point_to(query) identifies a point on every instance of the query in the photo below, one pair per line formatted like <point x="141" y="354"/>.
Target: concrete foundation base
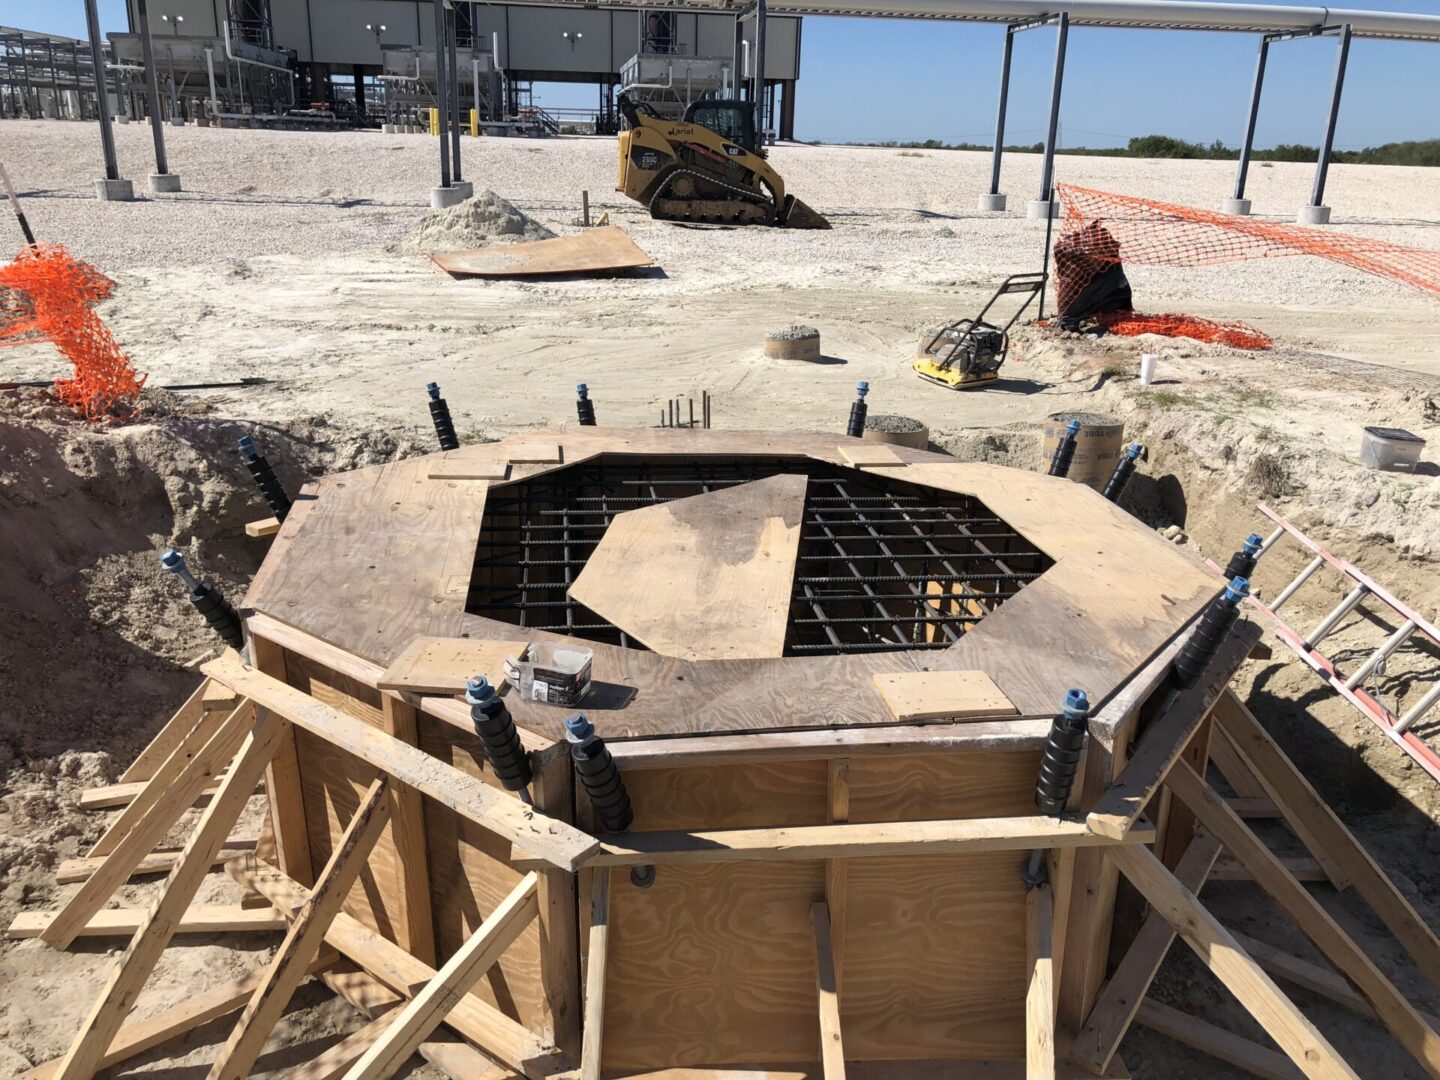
<point x="122" y="119"/>
<point x="992" y="203"/>
<point x="114" y="190"/>
<point x="202" y="121"/>
<point x="177" y="121"/>
<point x="442" y="197"/>
<point x="465" y="187"/>
<point x="1314" y="215"/>
<point x="1042" y="208"/>
<point x="387" y="129"/>
<point x="160" y="183"/>
<point x="1238" y="207"/>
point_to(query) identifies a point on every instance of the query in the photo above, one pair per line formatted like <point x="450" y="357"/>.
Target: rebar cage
<point x="882" y="565"/>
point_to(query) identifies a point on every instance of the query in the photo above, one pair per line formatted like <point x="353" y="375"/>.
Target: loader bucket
<point x="799" y="216"/>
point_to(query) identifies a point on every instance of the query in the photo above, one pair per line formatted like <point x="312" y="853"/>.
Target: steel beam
<point x="152" y="88"/>
<point x="1242" y="172"/>
<point x="1000" y="110"/>
<point x="452" y="77"/>
<point x="97" y="55"/>
<point x="441" y="103"/>
<point x="1047" y="175"/>
<point x="1322" y="166"/>
<point x="759" y="91"/>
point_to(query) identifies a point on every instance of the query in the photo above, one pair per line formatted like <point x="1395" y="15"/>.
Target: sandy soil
<point x="278" y="263"/>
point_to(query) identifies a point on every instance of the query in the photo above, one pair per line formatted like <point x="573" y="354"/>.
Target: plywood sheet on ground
<point x="595" y="251"/>
<point x="717" y="571"/>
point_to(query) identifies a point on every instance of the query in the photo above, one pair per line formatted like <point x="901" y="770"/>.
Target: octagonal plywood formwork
<point x="826" y="672"/>
<point x="770" y="614"/>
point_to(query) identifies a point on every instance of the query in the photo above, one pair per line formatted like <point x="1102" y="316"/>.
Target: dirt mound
<point x="478" y="222"/>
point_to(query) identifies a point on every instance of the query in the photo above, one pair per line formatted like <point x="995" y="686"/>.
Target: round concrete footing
<point x="1314" y="215"/>
<point x="177" y="121"/>
<point x="122" y="119"/>
<point x="1042" y="208"/>
<point x="202" y="121"/>
<point x="160" y="183"/>
<point x="387" y="129"/>
<point x="442" y="197"/>
<point x="992" y="203"/>
<point x="1238" y="207"/>
<point x="114" y="190"/>
<point x="465" y="187"/>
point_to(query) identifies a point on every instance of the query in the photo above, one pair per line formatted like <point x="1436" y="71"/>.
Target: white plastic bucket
<point x="1147" y="368"/>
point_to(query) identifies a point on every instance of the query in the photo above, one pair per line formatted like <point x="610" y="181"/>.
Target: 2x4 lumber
<point x="305" y="936"/>
<point x="258" y="530"/>
<point x="173" y="800"/>
<point x="288" y="825"/>
<point x="1227" y="759"/>
<point x="1287" y="786"/>
<point x="416" y="930"/>
<point x="552" y="789"/>
<point x="1394" y="1009"/>
<point x="832" y="1046"/>
<point x="849" y="841"/>
<point x="1217" y="1042"/>
<point x="549" y="839"/>
<point x="167" y="738"/>
<point x="73" y="871"/>
<point x="130" y="974"/>
<point x="139" y="1036"/>
<point x="427" y="1009"/>
<point x="1219" y="951"/>
<point x="596" y="961"/>
<point x="217" y="698"/>
<point x="497" y="1034"/>
<point x="191" y="743"/>
<point x="1300" y="868"/>
<point x="335" y="1060"/>
<point x="1040" y="991"/>
<point x="1097" y="1041"/>
<point x="123" y="922"/>
<point x="111" y="796"/>
<point x="1253" y="808"/>
<point x="1160" y="746"/>
<point x="837" y="873"/>
<point x="911" y="696"/>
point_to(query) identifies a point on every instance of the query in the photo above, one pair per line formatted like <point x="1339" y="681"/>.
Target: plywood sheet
<point x="431" y="665"/>
<point x="871" y="456"/>
<point x="457" y="465"/>
<point x="933" y="695"/>
<point x="718" y="570"/>
<point x="595" y="251"/>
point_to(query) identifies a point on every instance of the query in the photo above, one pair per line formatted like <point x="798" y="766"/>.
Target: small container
<point x="1392" y="449"/>
<point x="1147" y="368"/>
<point x="551" y="673"/>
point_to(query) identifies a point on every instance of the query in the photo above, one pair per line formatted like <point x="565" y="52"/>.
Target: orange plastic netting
<point x="46" y="294"/>
<point x="1100" y="231"/>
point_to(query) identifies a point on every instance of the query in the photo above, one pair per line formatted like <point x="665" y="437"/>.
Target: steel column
<point x="759" y="91"/>
<point x="1000" y="111"/>
<point x="1047" y="176"/>
<point x="97" y="56"/>
<point x="452" y="77"/>
<point x="1322" y="166"/>
<point x="442" y="105"/>
<point x="1243" y="171"/>
<point x="152" y="89"/>
<point x="739" y="73"/>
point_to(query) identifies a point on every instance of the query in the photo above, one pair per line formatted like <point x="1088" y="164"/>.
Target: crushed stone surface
<point x="891" y="423"/>
<point x="794" y="332"/>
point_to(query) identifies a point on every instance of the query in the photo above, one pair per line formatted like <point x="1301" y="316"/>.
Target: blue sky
<point x="870" y="80"/>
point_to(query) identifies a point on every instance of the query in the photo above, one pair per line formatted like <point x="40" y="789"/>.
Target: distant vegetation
<point x="1422" y="152"/>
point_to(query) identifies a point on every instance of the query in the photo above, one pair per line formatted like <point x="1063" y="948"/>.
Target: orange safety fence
<point x="48" y="295"/>
<point x="1100" y="230"/>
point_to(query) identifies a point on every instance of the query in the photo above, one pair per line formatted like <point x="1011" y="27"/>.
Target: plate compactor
<point x="968" y="353"/>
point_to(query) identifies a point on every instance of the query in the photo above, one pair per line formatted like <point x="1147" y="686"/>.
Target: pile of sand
<point x="475" y="223"/>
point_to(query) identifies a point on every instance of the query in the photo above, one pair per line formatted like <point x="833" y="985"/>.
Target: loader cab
<point x="733" y="120"/>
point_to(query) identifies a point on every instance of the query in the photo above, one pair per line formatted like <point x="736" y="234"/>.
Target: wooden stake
<point x="1394" y="1009"/>
<point x="596" y="957"/>
<point x="305" y="936"/>
<point x="832" y="1047"/>
<point x="451" y="983"/>
<point x="1215" y="947"/>
<point x="135" y="966"/>
<point x="1040" y="994"/>
<point x="173" y="798"/>
<point x="1289" y="789"/>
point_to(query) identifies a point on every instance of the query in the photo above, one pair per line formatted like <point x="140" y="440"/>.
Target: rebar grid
<point x="882" y="564"/>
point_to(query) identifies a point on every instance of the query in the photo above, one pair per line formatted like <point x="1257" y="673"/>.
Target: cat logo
<point x="733" y="151"/>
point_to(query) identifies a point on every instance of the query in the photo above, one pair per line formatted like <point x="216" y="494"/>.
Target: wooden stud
<point x="1227" y="759"/>
<point x="482" y="1023"/>
<point x="596" y="957"/>
<point x="463" y="465"/>
<point x="1040" y="993"/>
<point x="282" y="780"/>
<point x="871" y="456"/>
<point x="166" y="739"/>
<point x="1394" y="1009"/>
<point x="337" y="1059"/>
<point x="1289" y="789"/>
<point x="553" y="791"/>
<point x="73" y="871"/>
<point x="434" y="665"/>
<point x="416" y="931"/>
<point x="1178" y="828"/>
<point x="935" y="695"/>
<point x="141" y="1035"/>
<point x="533" y="453"/>
<point x="130" y="974"/>
<point x="172" y="799"/>
<point x="1094" y="1046"/>
<point x="832" y="1047"/>
<point x="549" y="839"/>
<point x="1219" y="951"/>
<point x="1252" y="809"/>
<point x="265" y="527"/>
<point x="837" y="874"/>
<point x="451" y="983"/>
<point x="849" y="841"/>
<point x="111" y="796"/>
<point x="1218" y="1043"/>
<point x="217" y="698"/>
<point x="123" y="922"/>
<point x="306" y="934"/>
<point x="1301" y="869"/>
